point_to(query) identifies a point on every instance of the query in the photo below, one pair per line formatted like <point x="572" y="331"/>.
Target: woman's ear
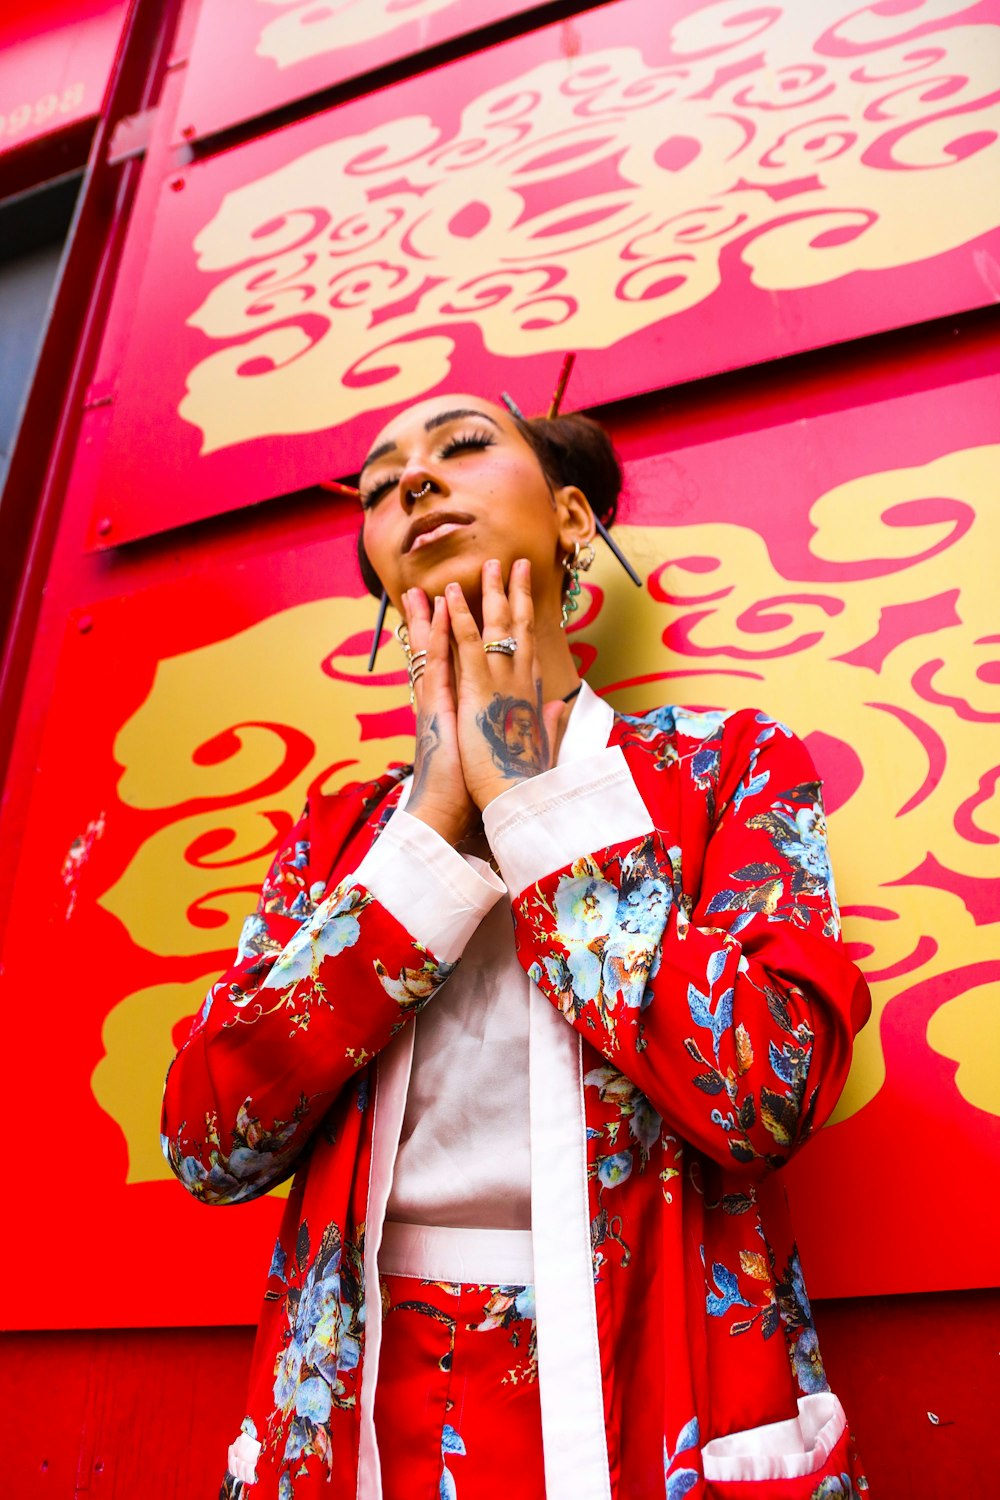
<point x="576" y="519"/>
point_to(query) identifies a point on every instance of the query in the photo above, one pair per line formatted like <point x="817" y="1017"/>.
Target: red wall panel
<point x="118" y="1415"/>
<point x="134" y="1410"/>
<point x="55" y="57"/>
<point x="829" y="568"/>
<point x="281" y="50"/>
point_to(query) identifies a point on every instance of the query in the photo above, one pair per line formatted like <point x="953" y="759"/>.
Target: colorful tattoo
<point x="514" y="730"/>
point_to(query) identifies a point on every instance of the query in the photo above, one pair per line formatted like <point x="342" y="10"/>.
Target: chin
<point x="465" y="569"/>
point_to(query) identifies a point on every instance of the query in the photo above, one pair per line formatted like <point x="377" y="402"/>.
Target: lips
<point x="437" y="523"/>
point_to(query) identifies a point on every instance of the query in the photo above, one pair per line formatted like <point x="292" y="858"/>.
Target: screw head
<point x="103" y="526"/>
<point x="85" y="624"/>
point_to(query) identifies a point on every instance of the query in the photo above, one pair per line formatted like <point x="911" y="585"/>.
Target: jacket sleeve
<point x="320" y="985"/>
<point x="697" y="941"/>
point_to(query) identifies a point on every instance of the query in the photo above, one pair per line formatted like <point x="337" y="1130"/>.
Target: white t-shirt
<point x="463" y="1157"/>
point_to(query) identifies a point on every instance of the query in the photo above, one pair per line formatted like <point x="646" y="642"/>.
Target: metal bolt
<point x="189" y="132"/>
<point x="103" y="526"/>
<point x="85" y="623"/>
<point x="177" y="183"/>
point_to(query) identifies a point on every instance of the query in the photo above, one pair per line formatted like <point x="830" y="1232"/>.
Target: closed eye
<point x="467" y="440"/>
<point x="462" y="442"/>
<point x="374" y="495"/>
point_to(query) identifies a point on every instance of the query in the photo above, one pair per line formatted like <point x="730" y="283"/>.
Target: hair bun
<point x="574" y="449"/>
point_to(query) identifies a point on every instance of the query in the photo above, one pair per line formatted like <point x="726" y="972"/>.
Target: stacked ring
<point x="507" y="646"/>
<point x="417" y="665"/>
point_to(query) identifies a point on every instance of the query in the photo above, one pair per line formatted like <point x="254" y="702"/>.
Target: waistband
<point x="487" y="1257"/>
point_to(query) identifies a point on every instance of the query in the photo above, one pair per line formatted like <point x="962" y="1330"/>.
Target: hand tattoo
<point x="428" y="741"/>
<point x="514" y="730"/>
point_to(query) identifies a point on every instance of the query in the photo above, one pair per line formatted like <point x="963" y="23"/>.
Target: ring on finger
<point x="506" y="647"/>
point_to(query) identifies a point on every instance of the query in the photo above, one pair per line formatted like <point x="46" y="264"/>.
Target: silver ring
<point x="415" y="675"/>
<point x="418" y="658"/>
<point x="507" y="646"/>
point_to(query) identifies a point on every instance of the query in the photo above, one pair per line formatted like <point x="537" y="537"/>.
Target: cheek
<point x="375" y="543"/>
<point x="529" y="511"/>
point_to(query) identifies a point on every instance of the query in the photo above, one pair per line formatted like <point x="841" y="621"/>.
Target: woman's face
<point x="449" y="484"/>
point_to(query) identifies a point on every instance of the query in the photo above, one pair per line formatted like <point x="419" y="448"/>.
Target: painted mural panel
<point x="281" y="50"/>
<point x="836" y="572"/>
<point x="55" y="58"/>
<point x="684" y="190"/>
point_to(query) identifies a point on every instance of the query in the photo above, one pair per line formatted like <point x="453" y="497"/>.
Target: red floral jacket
<point x="699" y="1010"/>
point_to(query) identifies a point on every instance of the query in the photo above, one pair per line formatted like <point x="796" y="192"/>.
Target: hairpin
<point x="605" y="536"/>
<point x="383" y="605"/>
<point x="336" y="488"/>
<point x="564" y="373"/>
<point x="569" y="361"/>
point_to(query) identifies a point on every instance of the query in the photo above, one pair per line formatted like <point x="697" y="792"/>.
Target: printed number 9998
<point x="44" y="109"/>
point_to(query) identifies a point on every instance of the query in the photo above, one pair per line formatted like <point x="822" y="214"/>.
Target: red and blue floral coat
<point x="693" y="1019"/>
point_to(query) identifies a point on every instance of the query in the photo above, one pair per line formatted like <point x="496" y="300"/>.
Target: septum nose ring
<point x="423" y="490"/>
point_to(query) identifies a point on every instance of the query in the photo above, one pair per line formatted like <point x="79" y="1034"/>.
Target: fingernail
<point x="438" y="602"/>
<point x="452" y="588"/>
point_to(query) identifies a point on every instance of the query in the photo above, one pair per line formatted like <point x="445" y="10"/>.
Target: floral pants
<point x="456" y="1406"/>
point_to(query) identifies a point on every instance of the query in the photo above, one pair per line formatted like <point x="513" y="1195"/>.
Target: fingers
<point x="417" y="616"/>
<point x="522" y="608"/>
<point x="438" y="669"/>
<point x="463" y="626"/>
<point x="496" y="608"/>
<point x="472" y="674"/>
<point x="506" y="612"/>
<point x="429" y="649"/>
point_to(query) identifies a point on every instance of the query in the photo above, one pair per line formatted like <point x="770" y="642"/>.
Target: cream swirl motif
<point x="583" y="201"/>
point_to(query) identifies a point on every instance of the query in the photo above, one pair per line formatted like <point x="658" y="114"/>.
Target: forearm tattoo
<point x="515" y="732"/>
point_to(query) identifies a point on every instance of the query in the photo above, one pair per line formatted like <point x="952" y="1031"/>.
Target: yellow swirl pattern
<point x="300" y="31"/>
<point x="800" y="649"/>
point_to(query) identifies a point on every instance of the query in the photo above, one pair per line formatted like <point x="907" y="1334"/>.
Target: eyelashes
<point x="373" y="496"/>
<point x="467" y="440"/>
<point x="463" y="442"/>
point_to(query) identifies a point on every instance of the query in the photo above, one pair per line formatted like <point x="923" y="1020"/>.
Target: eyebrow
<point x="441" y="420"/>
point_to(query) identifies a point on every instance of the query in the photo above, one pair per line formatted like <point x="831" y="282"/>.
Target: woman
<point x="561" y="1171"/>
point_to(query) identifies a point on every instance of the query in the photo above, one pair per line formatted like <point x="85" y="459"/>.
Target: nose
<point x="417" y="482"/>
<point x="418" y="494"/>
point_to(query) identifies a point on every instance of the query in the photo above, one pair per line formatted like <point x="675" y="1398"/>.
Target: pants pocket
<point x="807" y="1457"/>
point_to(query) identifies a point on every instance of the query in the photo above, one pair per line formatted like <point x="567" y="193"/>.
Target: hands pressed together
<point x="482" y="724"/>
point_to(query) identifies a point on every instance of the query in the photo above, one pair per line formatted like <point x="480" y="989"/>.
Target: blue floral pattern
<point x="325" y="1313"/>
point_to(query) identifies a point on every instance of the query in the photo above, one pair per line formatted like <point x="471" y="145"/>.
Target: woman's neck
<point x="559" y="670"/>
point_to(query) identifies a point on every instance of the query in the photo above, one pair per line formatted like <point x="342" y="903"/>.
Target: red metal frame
<point x="29" y="517"/>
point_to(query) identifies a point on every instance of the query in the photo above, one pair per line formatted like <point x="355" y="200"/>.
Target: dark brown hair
<point x="572" y="450"/>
